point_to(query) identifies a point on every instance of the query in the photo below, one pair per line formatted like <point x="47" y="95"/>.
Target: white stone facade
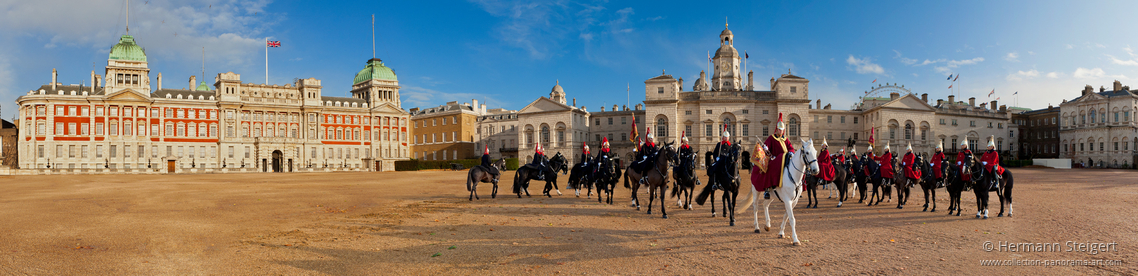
<point x="1099" y="129"/>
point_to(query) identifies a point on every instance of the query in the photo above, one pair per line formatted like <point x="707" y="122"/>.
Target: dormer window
<point x="793" y="89"/>
<point x="659" y="90"/>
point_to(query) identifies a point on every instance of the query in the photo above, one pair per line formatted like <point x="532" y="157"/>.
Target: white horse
<point x="802" y="162"/>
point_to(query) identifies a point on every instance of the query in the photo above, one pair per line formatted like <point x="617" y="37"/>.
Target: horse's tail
<point x="706" y="192"/>
<point x="469" y="178"/>
<point x="519" y="175"/>
<point x="626" y="181"/>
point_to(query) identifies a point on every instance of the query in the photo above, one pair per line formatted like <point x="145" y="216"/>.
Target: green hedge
<point x="512" y="164"/>
<point x="415" y="164"/>
<point x="1017" y="163"/>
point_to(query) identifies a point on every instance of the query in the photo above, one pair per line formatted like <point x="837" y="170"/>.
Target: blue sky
<point x="508" y="53"/>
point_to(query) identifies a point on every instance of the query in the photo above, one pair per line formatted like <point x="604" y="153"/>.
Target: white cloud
<point x="1130" y="62"/>
<point x="864" y="66"/>
<point x="927" y="62"/>
<point x="1031" y="53"/>
<point x="231" y="30"/>
<point x="1013" y="57"/>
<point x="958" y="63"/>
<point x="1054" y="75"/>
<point x="1069" y="46"/>
<point x="905" y="60"/>
<point x="1021" y="75"/>
<point x="1100" y="45"/>
<point x="1129" y="51"/>
<point x="1096" y="73"/>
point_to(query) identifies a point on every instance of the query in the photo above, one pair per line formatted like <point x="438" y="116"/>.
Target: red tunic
<point x="993" y="158"/>
<point x="825" y="168"/>
<point x="866" y="166"/>
<point x="842" y="158"/>
<point x="886" y="161"/>
<point x="907" y="164"/>
<point x="960" y="156"/>
<point x="937" y="159"/>
<point x="773" y="177"/>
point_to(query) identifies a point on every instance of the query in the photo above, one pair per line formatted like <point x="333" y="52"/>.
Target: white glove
<point x="957" y="162"/>
<point x="717" y="159"/>
<point x="985" y="163"/>
<point x="902" y="163"/>
<point x="932" y="164"/>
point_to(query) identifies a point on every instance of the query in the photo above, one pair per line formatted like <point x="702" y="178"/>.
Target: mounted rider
<point x="585" y="158"/>
<point x="647" y="155"/>
<point x="909" y="163"/>
<point x="825" y="165"/>
<point x="991" y="161"/>
<point x="719" y="153"/>
<point x="938" y="158"/>
<point x="963" y="160"/>
<point x="486" y="164"/>
<point x="886" y="161"/>
<point x="778" y="149"/>
<point x="604" y="154"/>
<point x="538" y="162"/>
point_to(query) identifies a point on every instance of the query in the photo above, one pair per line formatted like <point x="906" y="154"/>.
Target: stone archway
<point x="278" y="161"/>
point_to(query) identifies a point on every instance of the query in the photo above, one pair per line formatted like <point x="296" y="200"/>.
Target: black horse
<point x="929" y="183"/>
<point x="724" y="176"/>
<point x="607" y="175"/>
<point x="655" y="177"/>
<point x="1001" y="184"/>
<point x="686" y="180"/>
<point x="583" y="176"/>
<point x="858" y="168"/>
<point x="957" y="183"/>
<point x="527" y="173"/>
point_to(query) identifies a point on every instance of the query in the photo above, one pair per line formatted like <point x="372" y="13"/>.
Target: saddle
<point x="491" y="170"/>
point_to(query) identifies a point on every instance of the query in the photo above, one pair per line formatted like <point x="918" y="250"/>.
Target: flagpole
<point x="266" y="60"/>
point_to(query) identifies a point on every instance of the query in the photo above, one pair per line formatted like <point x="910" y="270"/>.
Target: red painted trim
<point x="72" y="138"/>
<point x="192" y="140"/>
<point x="341" y="143"/>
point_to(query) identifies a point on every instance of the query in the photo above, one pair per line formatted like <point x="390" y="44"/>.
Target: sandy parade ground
<point x="418" y="223"/>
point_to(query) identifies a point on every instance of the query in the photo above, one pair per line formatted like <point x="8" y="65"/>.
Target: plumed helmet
<point x="909" y="147"/>
<point x="853" y="151"/>
<point x="886" y="146"/>
<point x="824" y="144"/>
<point x="940" y="145"/>
<point x="964" y="143"/>
<point x="992" y="141"/>
<point x="487" y="151"/>
<point x="780" y="125"/>
<point x="585" y="146"/>
<point x="605" y="142"/>
<point x="684" y="137"/>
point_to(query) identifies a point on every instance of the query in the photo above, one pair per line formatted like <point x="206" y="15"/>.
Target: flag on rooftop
<point x="273" y="43"/>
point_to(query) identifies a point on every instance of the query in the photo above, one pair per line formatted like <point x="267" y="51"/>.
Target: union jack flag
<point x="273" y="44"/>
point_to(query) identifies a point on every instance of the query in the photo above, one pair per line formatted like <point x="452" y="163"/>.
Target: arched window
<point x="908" y="131"/>
<point x="793" y="127"/>
<point x="661" y="127"/>
<point x="1092" y="116"/>
<point x="545" y="135"/>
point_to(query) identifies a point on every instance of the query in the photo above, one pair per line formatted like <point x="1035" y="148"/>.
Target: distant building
<point x="126" y="126"/>
<point x="498" y="129"/>
<point x="616" y="125"/>
<point x="1039" y="133"/>
<point x="1099" y="128"/>
<point x="558" y="126"/>
<point x="9" y="145"/>
<point x="446" y="132"/>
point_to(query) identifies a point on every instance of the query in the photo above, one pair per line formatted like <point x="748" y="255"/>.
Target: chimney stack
<point x="159" y="79"/>
<point x="1117" y="85"/>
<point x="1003" y="108"/>
<point x="193" y="82"/>
<point x="894" y="96"/>
<point x="1088" y="89"/>
<point x="925" y="97"/>
<point x="818" y="104"/>
<point x="92" y="81"/>
<point x="574" y="102"/>
<point x="983" y="105"/>
<point x="972" y="101"/>
<point x="939" y="102"/>
<point x="602" y="108"/>
<point x="1101" y="88"/>
<point x="483" y="108"/>
<point x="993" y="105"/>
<point x="54" y="79"/>
<point x="98" y="82"/>
<point x="614" y="108"/>
<point x="951" y="99"/>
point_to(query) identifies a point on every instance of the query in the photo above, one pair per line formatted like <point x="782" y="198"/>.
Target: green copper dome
<point x="128" y="50"/>
<point x="375" y="71"/>
<point x="202" y="87"/>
